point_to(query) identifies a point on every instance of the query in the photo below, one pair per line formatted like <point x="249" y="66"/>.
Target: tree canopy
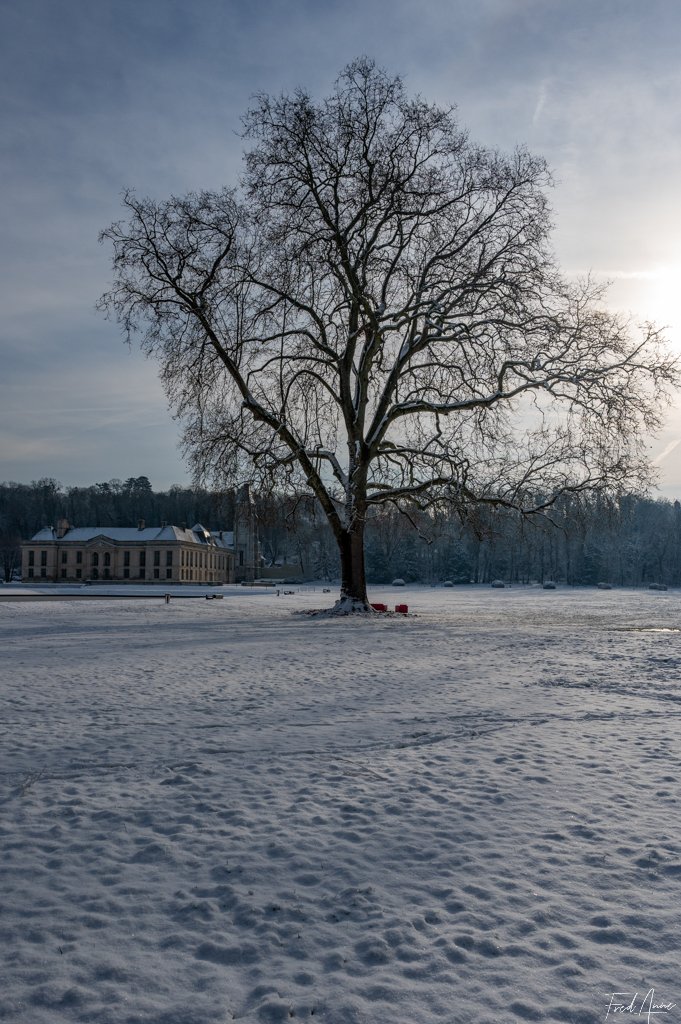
<point x="375" y="314"/>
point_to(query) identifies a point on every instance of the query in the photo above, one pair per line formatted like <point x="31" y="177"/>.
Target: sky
<point x="97" y="97"/>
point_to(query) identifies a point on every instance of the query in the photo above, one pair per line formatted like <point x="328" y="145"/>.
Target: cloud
<point x="666" y="451"/>
<point x="98" y="96"/>
<point x="541" y="102"/>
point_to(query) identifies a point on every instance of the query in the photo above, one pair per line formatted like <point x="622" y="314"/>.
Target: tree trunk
<point x="353" y="595"/>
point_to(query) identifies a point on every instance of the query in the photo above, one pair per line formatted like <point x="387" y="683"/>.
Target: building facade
<point x="169" y="554"/>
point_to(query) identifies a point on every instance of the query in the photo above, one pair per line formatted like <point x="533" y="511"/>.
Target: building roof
<point x="131" y="535"/>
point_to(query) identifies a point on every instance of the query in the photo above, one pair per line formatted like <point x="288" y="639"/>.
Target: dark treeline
<point x="628" y="541"/>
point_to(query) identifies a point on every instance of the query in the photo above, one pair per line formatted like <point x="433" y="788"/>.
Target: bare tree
<point x="376" y="314"/>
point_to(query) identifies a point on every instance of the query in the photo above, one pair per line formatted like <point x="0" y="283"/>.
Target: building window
<point x="79" y="572"/>
<point x="95" y="574"/>
<point x="156" y="573"/>
<point x="143" y="559"/>
<point x="107" y="558"/>
<point x="157" y="557"/>
<point x="241" y="558"/>
<point x="43" y="571"/>
<point x="142" y="574"/>
<point x="126" y="558"/>
<point x="63" y="574"/>
<point x="64" y="557"/>
<point x="169" y="574"/>
<point x="95" y="559"/>
<point x="31" y="558"/>
<point x="43" y="557"/>
<point x="169" y="558"/>
<point x="30" y="571"/>
<point x="107" y="573"/>
<point x="126" y="574"/>
<point x="79" y="557"/>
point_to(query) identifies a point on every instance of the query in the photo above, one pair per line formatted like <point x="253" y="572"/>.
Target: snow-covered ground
<point x="220" y="810"/>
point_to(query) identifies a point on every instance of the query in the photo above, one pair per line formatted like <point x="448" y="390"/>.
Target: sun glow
<point x="665" y="301"/>
<point x="653" y="295"/>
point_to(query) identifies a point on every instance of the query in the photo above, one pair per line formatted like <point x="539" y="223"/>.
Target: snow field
<point x="217" y="811"/>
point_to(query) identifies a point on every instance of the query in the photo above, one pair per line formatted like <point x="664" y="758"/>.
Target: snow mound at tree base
<point x="342" y="607"/>
<point x="346" y="606"/>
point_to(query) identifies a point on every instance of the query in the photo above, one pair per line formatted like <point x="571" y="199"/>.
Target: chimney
<point x="140" y="524"/>
<point x="62" y="528"/>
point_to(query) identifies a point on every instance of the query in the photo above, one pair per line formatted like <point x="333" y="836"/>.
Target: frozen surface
<point x="219" y="810"/>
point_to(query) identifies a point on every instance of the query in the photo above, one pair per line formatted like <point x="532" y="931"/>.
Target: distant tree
<point x="10" y="555"/>
<point x="393" y="547"/>
<point x="377" y="316"/>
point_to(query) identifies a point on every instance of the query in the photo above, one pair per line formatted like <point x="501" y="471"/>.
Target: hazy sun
<point x="653" y="294"/>
<point x="665" y="301"/>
